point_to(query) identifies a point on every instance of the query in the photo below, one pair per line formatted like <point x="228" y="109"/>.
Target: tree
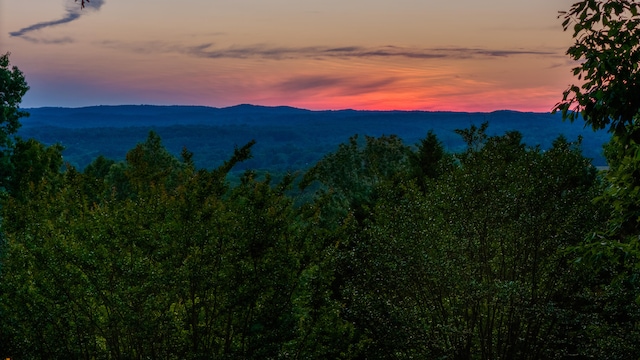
<point x="607" y="47"/>
<point x="33" y="162"/>
<point x="429" y="160"/>
<point x="607" y="44"/>
<point x="353" y="171"/>
<point x="13" y="86"/>
<point x="473" y="267"/>
<point x="182" y="266"/>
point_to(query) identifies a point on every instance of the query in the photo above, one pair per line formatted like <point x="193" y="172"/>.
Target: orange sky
<point x="464" y="55"/>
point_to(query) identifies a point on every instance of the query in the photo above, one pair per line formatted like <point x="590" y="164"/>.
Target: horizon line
<point x="289" y="107"/>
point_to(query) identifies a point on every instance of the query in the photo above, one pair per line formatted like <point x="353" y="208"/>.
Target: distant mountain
<point x="150" y="115"/>
<point x="112" y="130"/>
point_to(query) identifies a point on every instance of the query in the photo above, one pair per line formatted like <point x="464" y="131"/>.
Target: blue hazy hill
<point x="287" y="138"/>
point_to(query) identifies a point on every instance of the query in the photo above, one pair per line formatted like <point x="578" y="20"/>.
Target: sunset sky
<point x="459" y="55"/>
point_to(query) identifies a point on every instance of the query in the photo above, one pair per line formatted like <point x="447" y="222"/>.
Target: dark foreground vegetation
<point x="379" y="250"/>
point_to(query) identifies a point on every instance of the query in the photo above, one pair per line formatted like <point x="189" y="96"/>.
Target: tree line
<point x="381" y="250"/>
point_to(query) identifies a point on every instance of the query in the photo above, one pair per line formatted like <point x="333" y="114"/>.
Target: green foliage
<point x="352" y="173"/>
<point x="13" y="86"/>
<point x="425" y="160"/>
<point x="474" y="136"/>
<point x="400" y="253"/>
<point x="180" y="267"/>
<point x="149" y="163"/>
<point x="474" y="267"/>
<point x="607" y="45"/>
<point x="623" y="193"/>
<point x="33" y="163"/>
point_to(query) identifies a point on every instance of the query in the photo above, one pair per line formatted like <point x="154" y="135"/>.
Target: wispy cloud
<point x="271" y="52"/>
<point x="311" y="82"/>
<point x="73" y="12"/>
<point x="278" y="53"/>
<point x="346" y="85"/>
<point x="146" y="47"/>
<point x="64" y="40"/>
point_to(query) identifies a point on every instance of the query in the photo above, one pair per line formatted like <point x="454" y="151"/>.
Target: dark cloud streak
<point x="347" y="86"/>
<point x="73" y="13"/>
<point x="263" y="51"/>
<point x="280" y="53"/>
<point x="64" y="40"/>
<point x="305" y="83"/>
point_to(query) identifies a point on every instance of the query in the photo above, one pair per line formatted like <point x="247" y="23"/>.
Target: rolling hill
<point x="287" y="138"/>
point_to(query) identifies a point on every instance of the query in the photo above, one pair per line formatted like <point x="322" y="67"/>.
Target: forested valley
<point x="287" y="139"/>
<point x="379" y="250"/>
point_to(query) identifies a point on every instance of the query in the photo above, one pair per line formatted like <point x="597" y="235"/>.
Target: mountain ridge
<point x="164" y="115"/>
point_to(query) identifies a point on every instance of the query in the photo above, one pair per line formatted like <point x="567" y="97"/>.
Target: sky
<point x="438" y="55"/>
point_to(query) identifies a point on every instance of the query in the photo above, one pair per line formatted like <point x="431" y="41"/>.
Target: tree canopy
<point x="607" y="47"/>
<point x="387" y="251"/>
<point x="13" y="87"/>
